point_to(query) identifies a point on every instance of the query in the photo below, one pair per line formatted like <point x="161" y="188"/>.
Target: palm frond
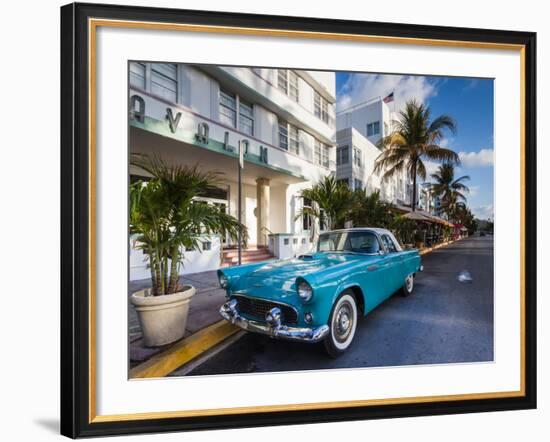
<point x="166" y="218"/>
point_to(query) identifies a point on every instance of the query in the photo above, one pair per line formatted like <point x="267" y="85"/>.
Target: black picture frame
<point x="75" y="218"/>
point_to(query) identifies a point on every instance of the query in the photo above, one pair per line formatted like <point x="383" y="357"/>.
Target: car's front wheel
<point x="408" y="285"/>
<point x="342" y="323"/>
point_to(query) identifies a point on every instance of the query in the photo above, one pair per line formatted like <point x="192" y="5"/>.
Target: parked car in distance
<point x="320" y="296"/>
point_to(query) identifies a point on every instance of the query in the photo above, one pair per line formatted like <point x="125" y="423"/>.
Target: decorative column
<point x="262" y="210"/>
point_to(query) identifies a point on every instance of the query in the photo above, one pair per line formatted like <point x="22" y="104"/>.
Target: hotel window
<point x="137" y="74"/>
<point x="282" y="80"/>
<point x="320" y="106"/>
<point x="289" y="137"/>
<point x="228" y="108"/>
<point x="321" y="153"/>
<point x="342" y="155"/>
<point x="358" y="184"/>
<point x="293" y="139"/>
<point x="246" y="118"/>
<point x="324" y="154"/>
<point x="287" y="82"/>
<point x="283" y="134"/>
<point x="164" y="82"/>
<point x="373" y="128"/>
<point x="306" y="217"/>
<point x="293" y="90"/>
<point x="317" y="156"/>
<point x="357" y="157"/>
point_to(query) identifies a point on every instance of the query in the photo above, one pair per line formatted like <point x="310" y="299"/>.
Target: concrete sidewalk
<point x="203" y="311"/>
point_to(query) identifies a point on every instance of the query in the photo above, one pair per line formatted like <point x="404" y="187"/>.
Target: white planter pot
<point x="162" y="318"/>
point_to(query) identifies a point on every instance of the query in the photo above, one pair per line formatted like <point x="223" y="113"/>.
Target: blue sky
<point x="469" y="101"/>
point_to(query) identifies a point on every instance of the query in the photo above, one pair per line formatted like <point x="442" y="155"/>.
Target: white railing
<point x="288" y="245"/>
<point x="209" y="258"/>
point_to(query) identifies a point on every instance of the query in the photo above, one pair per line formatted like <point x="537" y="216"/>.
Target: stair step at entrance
<point x="249" y="258"/>
<point x="254" y="254"/>
<point x="233" y="253"/>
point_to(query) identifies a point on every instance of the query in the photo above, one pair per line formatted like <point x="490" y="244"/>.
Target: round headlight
<point x="305" y="291"/>
<point x="223" y="281"/>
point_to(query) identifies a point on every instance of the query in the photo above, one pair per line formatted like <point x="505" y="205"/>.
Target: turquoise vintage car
<point x="319" y="296"/>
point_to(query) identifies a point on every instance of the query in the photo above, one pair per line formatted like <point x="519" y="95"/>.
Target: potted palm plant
<point x="165" y="222"/>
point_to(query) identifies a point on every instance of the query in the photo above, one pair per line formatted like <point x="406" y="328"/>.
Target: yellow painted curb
<point x="431" y="249"/>
<point x="184" y="351"/>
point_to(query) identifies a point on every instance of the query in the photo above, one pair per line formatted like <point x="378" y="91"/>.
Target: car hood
<point x="276" y="279"/>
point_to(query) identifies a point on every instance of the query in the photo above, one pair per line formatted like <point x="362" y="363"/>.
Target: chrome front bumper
<point x="272" y="327"/>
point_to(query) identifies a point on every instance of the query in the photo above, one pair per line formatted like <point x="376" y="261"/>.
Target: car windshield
<point x="358" y="242"/>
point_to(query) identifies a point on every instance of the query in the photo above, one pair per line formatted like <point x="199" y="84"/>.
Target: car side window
<point x="388" y="243"/>
<point x="362" y="242"/>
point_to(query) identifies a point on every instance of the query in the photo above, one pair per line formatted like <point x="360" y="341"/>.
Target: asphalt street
<point x="447" y="319"/>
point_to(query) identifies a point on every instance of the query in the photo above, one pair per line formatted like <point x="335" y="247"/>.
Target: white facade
<point x="428" y="201"/>
<point x="359" y="129"/>
<point x="198" y="115"/>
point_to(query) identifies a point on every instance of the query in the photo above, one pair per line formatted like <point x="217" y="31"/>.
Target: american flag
<point x="388" y="98"/>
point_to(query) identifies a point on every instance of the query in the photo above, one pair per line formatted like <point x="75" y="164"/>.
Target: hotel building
<point x="359" y="129"/>
<point x="428" y="201"/>
<point x="199" y="115"/>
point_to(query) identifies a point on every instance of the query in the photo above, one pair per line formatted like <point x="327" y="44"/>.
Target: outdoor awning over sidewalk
<point x="421" y="215"/>
<point x="417" y="216"/>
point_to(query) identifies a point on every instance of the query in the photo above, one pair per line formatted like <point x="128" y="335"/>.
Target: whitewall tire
<point x="408" y="285"/>
<point x="342" y="323"/>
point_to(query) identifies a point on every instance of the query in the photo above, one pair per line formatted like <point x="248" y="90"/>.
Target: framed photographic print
<point x="279" y="220"/>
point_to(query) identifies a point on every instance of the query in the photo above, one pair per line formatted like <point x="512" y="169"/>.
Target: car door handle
<point x="372" y="268"/>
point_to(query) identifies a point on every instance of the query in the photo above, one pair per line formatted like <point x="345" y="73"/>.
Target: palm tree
<point x="414" y="137"/>
<point x="454" y="208"/>
<point x="332" y="201"/>
<point x="369" y="210"/>
<point x="449" y="188"/>
<point x="461" y="214"/>
<point x="166" y="218"/>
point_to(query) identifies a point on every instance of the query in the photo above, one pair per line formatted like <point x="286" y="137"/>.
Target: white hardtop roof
<point x="358" y="229"/>
<point x="377" y="230"/>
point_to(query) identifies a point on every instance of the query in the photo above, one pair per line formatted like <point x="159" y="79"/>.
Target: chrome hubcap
<point x="343" y="322"/>
<point x="409" y="283"/>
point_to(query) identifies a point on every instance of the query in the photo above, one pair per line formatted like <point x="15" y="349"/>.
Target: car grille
<point x="257" y="308"/>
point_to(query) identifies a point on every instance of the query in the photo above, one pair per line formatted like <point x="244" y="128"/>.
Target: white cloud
<point x="483" y="158"/>
<point x="431" y="167"/>
<point x="474" y="190"/>
<point x="472" y="83"/>
<point x="447" y="142"/>
<point x="363" y="87"/>
<point x="484" y="212"/>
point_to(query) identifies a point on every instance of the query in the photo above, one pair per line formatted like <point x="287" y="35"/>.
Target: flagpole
<point x="239" y="210"/>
